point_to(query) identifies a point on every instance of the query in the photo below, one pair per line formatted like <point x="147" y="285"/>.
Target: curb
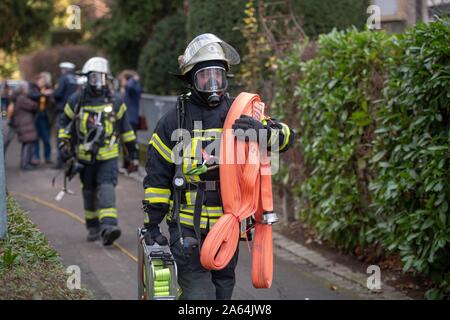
<point x="335" y="274"/>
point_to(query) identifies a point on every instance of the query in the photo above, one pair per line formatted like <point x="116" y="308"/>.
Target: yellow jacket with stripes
<point x="160" y="166"/>
<point x="111" y="111"/>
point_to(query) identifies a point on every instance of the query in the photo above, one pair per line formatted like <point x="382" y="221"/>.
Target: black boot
<point x="93" y="234"/>
<point x="93" y="227"/>
<point x="109" y="234"/>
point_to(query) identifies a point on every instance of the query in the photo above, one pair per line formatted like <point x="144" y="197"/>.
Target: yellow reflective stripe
<point x="206" y="211"/>
<point x="208" y="130"/>
<point x="274" y="136"/>
<point x="158" y="190"/>
<point x="154" y="199"/>
<point x="128" y="136"/>
<point x="83" y="125"/>
<point x="99" y="108"/>
<point x="162" y="149"/>
<point x="107" y="213"/>
<point x="189" y="164"/>
<point x="157" y="195"/>
<point x="82" y="155"/>
<point x="63" y="135"/>
<point x="122" y="110"/>
<point x="189" y="220"/>
<point x="108" y="127"/>
<point x="190" y="197"/>
<point x="69" y="112"/>
<point x="90" y="214"/>
<point x="287" y="133"/>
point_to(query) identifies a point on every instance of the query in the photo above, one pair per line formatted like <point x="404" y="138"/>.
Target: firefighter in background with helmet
<point x="93" y="123"/>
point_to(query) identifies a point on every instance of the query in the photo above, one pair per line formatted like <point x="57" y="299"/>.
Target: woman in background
<point x="24" y="121"/>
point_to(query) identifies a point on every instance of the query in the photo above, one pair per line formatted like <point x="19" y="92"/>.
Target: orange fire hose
<point x="245" y="192"/>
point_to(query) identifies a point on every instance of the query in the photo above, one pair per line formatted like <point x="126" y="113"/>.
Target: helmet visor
<point x="97" y="79"/>
<point x="210" y="79"/>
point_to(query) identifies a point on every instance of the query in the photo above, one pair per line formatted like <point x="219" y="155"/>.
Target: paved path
<point x="111" y="273"/>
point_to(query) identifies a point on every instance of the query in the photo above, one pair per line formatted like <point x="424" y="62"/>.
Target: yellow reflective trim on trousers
<point x="107" y="213"/>
<point x="121" y="111"/>
<point x="287" y="133"/>
<point x="90" y="214"/>
<point x="128" y="136"/>
<point x="69" y="112"/>
<point x="162" y="149"/>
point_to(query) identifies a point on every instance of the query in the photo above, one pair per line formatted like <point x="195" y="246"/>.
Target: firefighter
<point x="204" y="68"/>
<point x="93" y="123"/>
<point x="66" y="86"/>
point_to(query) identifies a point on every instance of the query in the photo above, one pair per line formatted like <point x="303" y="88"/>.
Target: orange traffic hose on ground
<point x="245" y="192"/>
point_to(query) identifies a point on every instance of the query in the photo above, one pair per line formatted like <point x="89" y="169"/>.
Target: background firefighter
<point x="204" y="68"/>
<point x="92" y="124"/>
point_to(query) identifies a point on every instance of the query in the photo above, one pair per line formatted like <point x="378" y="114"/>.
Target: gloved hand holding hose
<point x="245" y="123"/>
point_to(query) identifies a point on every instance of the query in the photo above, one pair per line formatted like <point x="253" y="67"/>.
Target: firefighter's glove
<point x="65" y="149"/>
<point x="249" y="129"/>
<point x="153" y="235"/>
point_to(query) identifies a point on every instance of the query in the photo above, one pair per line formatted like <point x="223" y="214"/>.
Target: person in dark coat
<point x="66" y="86"/>
<point x="25" y="123"/>
<point x="41" y="92"/>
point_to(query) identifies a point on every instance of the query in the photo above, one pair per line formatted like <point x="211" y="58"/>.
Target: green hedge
<point x="373" y="121"/>
<point x="160" y="55"/>
<point x="336" y="96"/>
<point x="412" y="183"/>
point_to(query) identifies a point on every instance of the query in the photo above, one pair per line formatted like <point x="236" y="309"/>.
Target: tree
<point x="125" y="30"/>
<point x="160" y="56"/>
<point x="23" y="21"/>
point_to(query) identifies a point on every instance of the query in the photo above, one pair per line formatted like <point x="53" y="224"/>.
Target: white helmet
<point x="66" y="65"/>
<point x="96" y="64"/>
<point x="207" y="47"/>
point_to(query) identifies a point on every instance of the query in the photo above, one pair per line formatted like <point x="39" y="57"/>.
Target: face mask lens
<point x="97" y="79"/>
<point x="211" y="79"/>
